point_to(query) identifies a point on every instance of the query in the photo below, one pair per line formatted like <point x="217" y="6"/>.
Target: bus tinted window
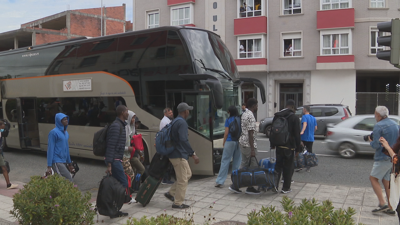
<point x="11" y="110"/>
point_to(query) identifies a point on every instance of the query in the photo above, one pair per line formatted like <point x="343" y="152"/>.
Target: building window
<point x="336" y="44"/>
<point x="291" y="7"/>
<point x="377" y="3"/>
<point x="153" y="19"/>
<point x="374" y="47"/>
<point x="250" y="48"/>
<point x="292" y="45"/>
<point x="182" y="15"/>
<point x="249" y="8"/>
<point x="335" y="4"/>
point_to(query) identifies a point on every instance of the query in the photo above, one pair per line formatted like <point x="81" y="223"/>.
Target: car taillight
<point x="346" y="114"/>
<point x="329" y="133"/>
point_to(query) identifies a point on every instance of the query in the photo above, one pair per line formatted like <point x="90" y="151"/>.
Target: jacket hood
<point x="284" y="112"/>
<point x="131" y="127"/>
<point x="59" y="117"/>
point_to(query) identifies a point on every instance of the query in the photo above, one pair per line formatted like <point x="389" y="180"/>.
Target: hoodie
<point x="57" y="145"/>
<point x="130" y="131"/>
<point x="294" y="129"/>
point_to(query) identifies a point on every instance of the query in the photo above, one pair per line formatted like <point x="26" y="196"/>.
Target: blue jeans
<point x="118" y="173"/>
<point x="231" y="149"/>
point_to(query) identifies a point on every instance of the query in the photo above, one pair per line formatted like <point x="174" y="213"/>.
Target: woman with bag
<point x="394" y="179"/>
<point x="130" y="130"/>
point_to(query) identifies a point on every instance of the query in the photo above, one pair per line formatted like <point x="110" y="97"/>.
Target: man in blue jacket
<point x="58" y="157"/>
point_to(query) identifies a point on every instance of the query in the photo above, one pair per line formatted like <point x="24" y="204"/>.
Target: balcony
<point x="337" y="18"/>
<point x="250" y="25"/>
<point x="176" y="2"/>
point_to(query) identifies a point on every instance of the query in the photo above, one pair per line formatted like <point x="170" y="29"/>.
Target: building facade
<point x="315" y="52"/>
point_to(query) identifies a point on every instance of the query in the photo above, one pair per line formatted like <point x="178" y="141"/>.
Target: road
<point x="332" y="169"/>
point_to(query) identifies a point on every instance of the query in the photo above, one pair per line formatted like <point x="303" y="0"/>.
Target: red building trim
<point x="189" y="25"/>
<point x="335" y="58"/>
<point x="250" y="25"/>
<point x="246" y="62"/>
<point x="176" y="2"/>
<point x="337" y="18"/>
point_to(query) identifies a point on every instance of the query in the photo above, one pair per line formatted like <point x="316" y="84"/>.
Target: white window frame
<point x="253" y="12"/>
<point x="375" y="29"/>
<point x="283" y="8"/>
<point x="331" y="3"/>
<point x="191" y="12"/>
<point x="376" y="2"/>
<point x="151" y="12"/>
<point x="333" y="32"/>
<point x="291" y="35"/>
<point x="251" y="37"/>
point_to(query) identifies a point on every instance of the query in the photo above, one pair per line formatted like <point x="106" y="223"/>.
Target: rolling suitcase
<point x="147" y="190"/>
<point x="269" y="165"/>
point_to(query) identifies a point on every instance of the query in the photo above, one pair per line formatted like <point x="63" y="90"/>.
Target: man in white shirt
<point x="168" y="117"/>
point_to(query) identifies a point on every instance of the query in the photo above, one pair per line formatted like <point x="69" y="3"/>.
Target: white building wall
<point x="334" y="87"/>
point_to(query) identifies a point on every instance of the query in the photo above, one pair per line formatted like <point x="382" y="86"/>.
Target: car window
<point x="316" y="112"/>
<point x="366" y="124"/>
<point x="299" y="112"/>
<point x="395" y="120"/>
<point x="330" y="111"/>
<point x="348" y="110"/>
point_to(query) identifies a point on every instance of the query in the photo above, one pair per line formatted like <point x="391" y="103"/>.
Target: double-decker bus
<point x="145" y="70"/>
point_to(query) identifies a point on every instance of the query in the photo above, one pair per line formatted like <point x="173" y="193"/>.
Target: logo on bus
<point x="68" y="85"/>
<point x="30" y="54"/>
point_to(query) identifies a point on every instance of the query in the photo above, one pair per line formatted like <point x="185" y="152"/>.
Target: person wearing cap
<point x="180" y="156"/>
<point x="285" y="154"/>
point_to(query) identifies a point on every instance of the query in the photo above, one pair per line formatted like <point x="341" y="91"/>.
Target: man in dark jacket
<point x="285" y="154"/>
<point x="116" y="137"/>
<point x="180" y="156"/>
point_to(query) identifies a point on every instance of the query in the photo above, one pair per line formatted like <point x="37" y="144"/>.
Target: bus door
<point x="28" y="123"/>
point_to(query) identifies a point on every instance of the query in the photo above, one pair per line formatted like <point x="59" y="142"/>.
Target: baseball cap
<point x="291" y="102"/>
<point x="184" y="106"/>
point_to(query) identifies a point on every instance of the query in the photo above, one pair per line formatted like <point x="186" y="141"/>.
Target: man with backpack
<point x="168" y="117"/>
<point x="285" y="137"/>
<point x="248" y="142"/>
<point x="180" y="156"/>
<point x="309" y="126"/>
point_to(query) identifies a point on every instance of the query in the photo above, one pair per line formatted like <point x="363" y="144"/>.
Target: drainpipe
<point x="268" y="59"/>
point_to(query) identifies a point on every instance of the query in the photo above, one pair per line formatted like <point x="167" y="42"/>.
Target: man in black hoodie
<point x="285" y="153"/>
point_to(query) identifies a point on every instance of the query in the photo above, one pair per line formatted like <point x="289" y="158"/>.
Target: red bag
<point x="136" y="143"/>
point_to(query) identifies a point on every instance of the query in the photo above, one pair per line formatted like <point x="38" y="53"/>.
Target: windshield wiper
<point x="220" y="72"/>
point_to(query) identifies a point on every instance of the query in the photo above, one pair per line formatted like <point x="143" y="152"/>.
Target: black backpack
<point x="100" y="140"/>
<point x="280" y="131"/>
<point x="111" y="196"/>
<point x="235" y="128"/>
<point x="6" y="129"/>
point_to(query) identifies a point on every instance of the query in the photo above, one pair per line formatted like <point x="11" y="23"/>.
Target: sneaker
<point x="286" y="191"/>
<point x="252" y="191"/>
<point x="308" y="170"/>
<point x="234" y="189"/>
<point x="183" y="206"/>
<point x="12" y="186"/>
<point x="390" y="212"/>
<point x="119" y="214"/>
<point x="282" y="181"/>
<point x="167" y="182"/>
<point x="298" y="170"/>
<point x="132" y="201"/>
<point x="218" y="185"/>
<point x="169" y="196"/>
<point x="380" y="208"/>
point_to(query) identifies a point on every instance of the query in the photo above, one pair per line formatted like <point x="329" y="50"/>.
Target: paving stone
<point x="224" y="215"/>
<point x="245" y="211"/>
<point x="240" y="218"/>
<point x="353" y="202"/>
<point x="368" y="221"/>
<point x="232" y="209"/>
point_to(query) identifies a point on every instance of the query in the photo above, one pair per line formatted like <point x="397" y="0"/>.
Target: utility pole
<point x="101" y="19"/>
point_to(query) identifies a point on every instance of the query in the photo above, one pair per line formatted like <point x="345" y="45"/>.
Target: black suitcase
<point x="147" y="190"/>
<point x="158" y="166"/>
<point x="111" y="196"/>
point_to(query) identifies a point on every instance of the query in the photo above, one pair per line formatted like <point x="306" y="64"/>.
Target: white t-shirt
<point x="165" y="120"/>
<point x="241" y="48"/>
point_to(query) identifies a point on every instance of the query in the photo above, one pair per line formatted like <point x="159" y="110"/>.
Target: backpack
<point x="111" y="196"/>
<point x="235" y="128"/>
<point x="100" y="140"/>
<point x="164" y="143"/>
<point x="6" y="129"/>
<point x="280" y="131"/>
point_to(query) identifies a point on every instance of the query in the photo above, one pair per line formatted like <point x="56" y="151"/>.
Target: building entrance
<point x="290" y="91"/>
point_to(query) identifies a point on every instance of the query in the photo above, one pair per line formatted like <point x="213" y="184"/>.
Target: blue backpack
<point x="164" y="143"/>
<point x="235" y="128"/>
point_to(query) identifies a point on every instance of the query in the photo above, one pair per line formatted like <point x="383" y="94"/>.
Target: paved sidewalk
<point x="209" y="202"/>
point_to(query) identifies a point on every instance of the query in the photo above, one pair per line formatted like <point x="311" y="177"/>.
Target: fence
<point x="366" y="102"/>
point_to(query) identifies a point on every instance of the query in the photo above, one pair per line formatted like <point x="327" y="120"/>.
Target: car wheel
<point x="267" y="131"/>
<point x="347" y="150"/>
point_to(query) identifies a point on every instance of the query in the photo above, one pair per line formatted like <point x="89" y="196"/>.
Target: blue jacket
<point x="180" y="136"/>
<point x="388" y="129"/>
<point x="57" y="145"/>
<point x="116" y="138"/>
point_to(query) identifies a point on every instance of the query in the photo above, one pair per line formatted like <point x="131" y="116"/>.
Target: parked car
<point x="347" y="137"/>
<point x="323" y="113"/>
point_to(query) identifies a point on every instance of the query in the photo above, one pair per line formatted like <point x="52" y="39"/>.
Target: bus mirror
<point x="257" y="83"/>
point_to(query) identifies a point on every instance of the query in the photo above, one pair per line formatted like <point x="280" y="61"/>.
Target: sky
<point x="13" y="13"/>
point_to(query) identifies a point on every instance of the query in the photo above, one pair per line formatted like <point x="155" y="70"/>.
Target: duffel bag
<point x="311" y="159"/>
<point x="299" y="161"/>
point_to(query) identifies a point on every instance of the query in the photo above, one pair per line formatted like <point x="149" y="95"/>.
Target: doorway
<point x="292" y="91"/>
<point x="28" y="123"/>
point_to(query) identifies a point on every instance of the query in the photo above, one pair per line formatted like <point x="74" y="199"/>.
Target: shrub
<point x="162" y="219"/>
<point x="52" y="200"/>
<point x="309" y="212"/>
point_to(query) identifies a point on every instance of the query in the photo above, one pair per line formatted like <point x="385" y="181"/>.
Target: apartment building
<point x="312" y="51"/>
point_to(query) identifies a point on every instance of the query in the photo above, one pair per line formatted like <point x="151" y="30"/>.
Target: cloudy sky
<point x="13" y="13"/>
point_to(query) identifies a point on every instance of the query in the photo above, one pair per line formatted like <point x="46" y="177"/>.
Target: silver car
<point x="347" y="137"/>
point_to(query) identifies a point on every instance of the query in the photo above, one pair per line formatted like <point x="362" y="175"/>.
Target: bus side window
<point x="11" y="110"/>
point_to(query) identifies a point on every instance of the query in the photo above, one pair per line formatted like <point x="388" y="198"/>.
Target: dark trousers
<point x="308" y="145"/>
<point x="285" y="166"/>
<point x="118" y="173"/>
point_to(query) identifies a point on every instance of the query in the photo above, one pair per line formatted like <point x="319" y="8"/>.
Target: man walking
<point x="309" y="126"/>
<point x="58" y="157"/>
<point x="180" y="156"/>
<point x="2" y="162"/>
<point x="248" y="142"/>
<point x="168" y="117"/>
<point x="116" y="138"/>
<point x="382" y="167"/>
<point x="285" y="152"/>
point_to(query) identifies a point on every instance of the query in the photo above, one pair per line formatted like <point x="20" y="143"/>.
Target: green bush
<point x="162" y="219"/>
<point x="52" y="200"/>
<point x="309" y="212"/>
